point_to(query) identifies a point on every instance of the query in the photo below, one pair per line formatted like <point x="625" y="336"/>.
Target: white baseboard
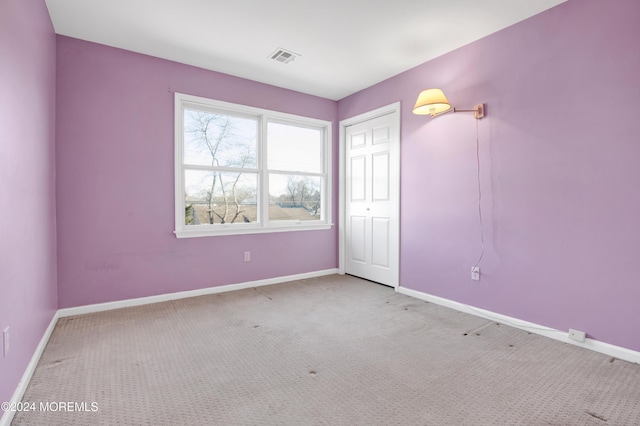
<point x="594" y="345"/>
<point x="66" y="312"/>
<point x="7" y="417"/>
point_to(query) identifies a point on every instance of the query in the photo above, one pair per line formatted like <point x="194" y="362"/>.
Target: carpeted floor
<point x="334" y="350"/>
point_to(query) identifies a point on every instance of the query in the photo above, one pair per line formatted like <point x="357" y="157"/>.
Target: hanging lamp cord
<point x="479" y="196"/>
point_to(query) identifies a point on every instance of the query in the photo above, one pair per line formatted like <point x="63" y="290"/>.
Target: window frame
<point x="263" y="116"/>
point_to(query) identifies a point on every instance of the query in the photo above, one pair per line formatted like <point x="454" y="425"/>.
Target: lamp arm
<point x="478" y="111"/>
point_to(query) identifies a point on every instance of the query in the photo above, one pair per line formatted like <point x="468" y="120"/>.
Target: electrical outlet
<point x="5" y="342"/>
<point x="247" y="256"/>
<point x="580" y="336"/>
<point x="475" y="273"/>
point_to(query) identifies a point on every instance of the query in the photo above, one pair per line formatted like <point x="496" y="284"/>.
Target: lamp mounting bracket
<point x="478" y="111"/>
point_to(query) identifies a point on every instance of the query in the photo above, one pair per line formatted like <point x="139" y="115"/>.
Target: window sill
<point x="221" y="230"/>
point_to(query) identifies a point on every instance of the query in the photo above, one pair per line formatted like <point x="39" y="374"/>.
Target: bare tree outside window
<point x="301" y="191"/>
<point x="223" y="189"/>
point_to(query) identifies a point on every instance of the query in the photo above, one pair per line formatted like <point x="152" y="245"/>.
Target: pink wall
<point x="114" y="160"/>
<point x="559" y="171"/>
<point x="27" y="198"/>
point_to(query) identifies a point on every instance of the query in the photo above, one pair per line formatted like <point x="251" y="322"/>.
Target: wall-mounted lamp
<point x="433" y="102"/>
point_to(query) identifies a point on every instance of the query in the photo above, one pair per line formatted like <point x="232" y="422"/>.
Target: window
<point x="242" y="170"/>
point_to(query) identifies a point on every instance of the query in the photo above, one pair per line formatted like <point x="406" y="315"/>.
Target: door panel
<point x="358" y="178"/>
<point x="380" y="241"/>
<point x="358" y="140"/>
<point x="380" y="175"/>
<point x="358" y="238"/>
<point x="381" y="134"/>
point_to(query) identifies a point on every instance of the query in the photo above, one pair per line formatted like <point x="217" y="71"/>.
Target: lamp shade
<point x="431" y="101"/>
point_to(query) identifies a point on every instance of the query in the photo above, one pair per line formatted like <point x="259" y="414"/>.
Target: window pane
<point x="294" y="197"/>
<point x="219" y="140"/>
<point x="293" y="148"/>
<point x="220" y="197"/>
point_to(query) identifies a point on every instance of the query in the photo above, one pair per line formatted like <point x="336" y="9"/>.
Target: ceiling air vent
<point x="283" y="56"/>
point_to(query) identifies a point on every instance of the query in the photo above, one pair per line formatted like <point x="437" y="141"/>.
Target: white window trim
<point x="181" y="230"/>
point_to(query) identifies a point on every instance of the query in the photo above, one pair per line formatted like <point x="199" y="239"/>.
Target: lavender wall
<point x="27" y="200"/>
<point x="114" y="159"/>
<point x="559" y="171"/>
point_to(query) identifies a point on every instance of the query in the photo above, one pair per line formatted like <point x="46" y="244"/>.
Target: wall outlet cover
<point x="475" y="273"/>
<point x="577" y="335"/>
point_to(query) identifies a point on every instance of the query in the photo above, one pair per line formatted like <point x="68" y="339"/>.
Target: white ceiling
<point x="344" y="45"/>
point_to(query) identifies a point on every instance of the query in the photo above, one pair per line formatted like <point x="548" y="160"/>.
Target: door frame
<point x="393" y="109"/>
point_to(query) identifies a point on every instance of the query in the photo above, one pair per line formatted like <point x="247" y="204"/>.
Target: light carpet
<point x="334" y="350"/>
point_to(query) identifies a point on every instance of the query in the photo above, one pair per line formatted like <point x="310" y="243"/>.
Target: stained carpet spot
<point x="599" y="417"/>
